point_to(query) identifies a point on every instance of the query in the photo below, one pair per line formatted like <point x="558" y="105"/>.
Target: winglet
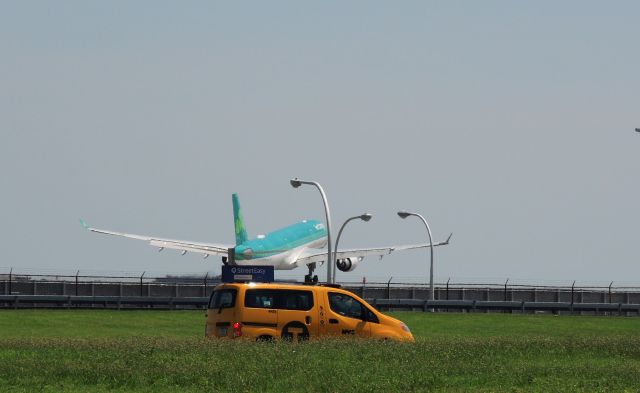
<point x="84" y="224"/>
<point x="449" y="238"/>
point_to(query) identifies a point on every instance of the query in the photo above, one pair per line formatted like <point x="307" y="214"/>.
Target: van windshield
<point x="223" y="298"/>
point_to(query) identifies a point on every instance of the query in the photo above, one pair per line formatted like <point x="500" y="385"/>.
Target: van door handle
<point x="307" y="319"/>
<point x="272" y="311"/>
<point x="334" y="321"/>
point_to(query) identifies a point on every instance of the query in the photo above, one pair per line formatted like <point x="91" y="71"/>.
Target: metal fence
<point x="102" y="285"/>
<point x="135" y="291"/>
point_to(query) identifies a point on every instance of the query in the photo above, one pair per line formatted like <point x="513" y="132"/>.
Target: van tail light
<point x="237" y="329"/>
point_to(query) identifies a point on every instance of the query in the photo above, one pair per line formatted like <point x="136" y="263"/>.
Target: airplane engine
<point x="347" y="264"/>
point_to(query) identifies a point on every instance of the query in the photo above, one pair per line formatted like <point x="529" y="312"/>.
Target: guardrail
<point x="47" y="301"/>
<point x="521" y="306"/>
<point x="120" y="302"/>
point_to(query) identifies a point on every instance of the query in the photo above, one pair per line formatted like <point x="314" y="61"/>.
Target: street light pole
<point x="295" y="183"/>
<point x="364" y="217"/>
<point x="405" y="214"/>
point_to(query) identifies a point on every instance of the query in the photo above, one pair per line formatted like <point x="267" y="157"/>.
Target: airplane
<point x="284" y="249"/>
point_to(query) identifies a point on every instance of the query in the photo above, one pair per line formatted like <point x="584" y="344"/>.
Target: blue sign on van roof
<point x="247" y="273"/>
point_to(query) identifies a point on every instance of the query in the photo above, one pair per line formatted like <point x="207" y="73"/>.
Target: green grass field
<point x="160" y="351"/>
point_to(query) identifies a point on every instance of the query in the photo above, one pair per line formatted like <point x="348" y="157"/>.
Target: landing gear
<point x="310" y="278"/>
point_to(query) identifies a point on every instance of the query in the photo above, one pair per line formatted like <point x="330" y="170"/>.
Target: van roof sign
<point x="247" y="273"/>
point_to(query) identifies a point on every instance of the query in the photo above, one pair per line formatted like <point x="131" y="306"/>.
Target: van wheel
<point x="295" y="331"/>
<point x="267" y="339"/>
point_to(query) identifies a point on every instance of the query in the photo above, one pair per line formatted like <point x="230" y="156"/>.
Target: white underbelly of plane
<point x="285" y="260"/>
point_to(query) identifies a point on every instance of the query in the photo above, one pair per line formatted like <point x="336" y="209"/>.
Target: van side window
<point x="349" y="307"/>
<point x="279" y="298"/>
<point x="259" y="298"/>
<point x="294" y="300"/>
<point x="223" y="298"/>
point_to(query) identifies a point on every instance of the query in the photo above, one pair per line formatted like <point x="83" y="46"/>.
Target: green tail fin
<point x="241" y="232"/>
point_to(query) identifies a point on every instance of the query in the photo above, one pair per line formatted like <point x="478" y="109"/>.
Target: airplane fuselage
<point x="281" y="248"/>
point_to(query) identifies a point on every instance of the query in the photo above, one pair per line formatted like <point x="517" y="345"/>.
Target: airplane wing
<point x="184" y="246"/>
<point x="320" y="256"/>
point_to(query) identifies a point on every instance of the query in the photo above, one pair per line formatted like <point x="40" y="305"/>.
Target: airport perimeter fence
<point x="169" y="292"/>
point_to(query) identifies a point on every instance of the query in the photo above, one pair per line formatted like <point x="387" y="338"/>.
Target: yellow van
<point x="263" y="311"/>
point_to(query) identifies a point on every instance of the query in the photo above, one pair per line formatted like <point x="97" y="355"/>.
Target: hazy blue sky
<point x="508" y="123"/>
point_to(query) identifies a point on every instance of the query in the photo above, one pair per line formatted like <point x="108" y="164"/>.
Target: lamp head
<point x="403" y="214"/>
<point x="295" y="183"/>
<point x="366" y="217"/>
